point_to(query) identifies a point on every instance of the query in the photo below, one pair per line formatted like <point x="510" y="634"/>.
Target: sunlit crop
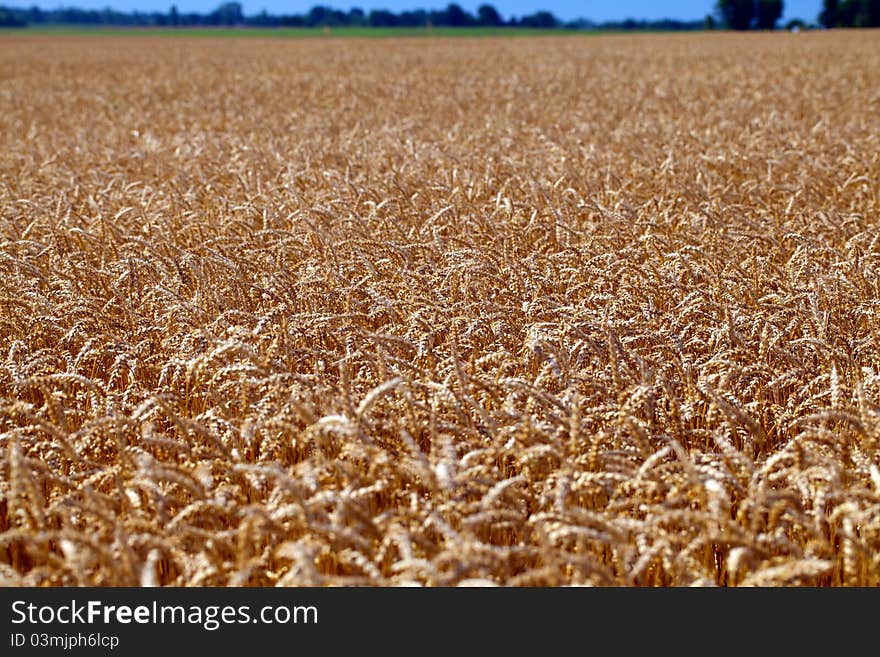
<point x="538" y="311"/>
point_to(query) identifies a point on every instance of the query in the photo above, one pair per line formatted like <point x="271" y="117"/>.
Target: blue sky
<point x="598" y="10"/>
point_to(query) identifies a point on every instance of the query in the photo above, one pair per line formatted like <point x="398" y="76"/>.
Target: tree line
<point x="850" y="13"/>
<point x="731" y="14"/>
<point x="764" y="14"/>
<point x="750" y="14"/>
<point x="231" y="14"/>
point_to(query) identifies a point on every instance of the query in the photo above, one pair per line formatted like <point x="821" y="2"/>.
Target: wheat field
<point x="528" y="312"/>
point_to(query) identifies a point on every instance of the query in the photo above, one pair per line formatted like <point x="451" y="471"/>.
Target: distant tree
<point x="795" y="25"/>
<point x="847" y="13"/>
<point x="868" y="14"/>
<point x="356" y="16"/>
<point x="830" y="14"/>
<point x="317" y="16"/>
<point x="580" y="24"/>
<point x="488" y="16"/>
<point x="263" y="19"/>
<point x="382" y="18"/>
<point x="229" y="13"/>
<point x="709" y="22"/>
<point x="35" y="15"/>
<point x="292" y="20"/>
<point x="541" y="20"/>
<point x="8" y="19"/>
<point x="457" y="17"/>
<point x="173" y="16"/>
<point x="417" y="18"/>
<point x="768" y="14"/>
<point x="321" y="16"/>
<point x="737" y="14"/>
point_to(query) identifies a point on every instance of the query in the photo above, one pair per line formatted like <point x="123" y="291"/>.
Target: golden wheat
<point x="443" y="312"/>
